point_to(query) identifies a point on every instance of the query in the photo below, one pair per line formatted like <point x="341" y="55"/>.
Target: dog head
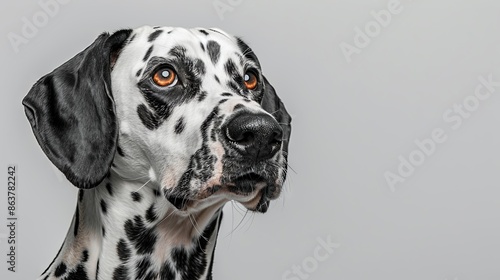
<point x="188" y="110"/>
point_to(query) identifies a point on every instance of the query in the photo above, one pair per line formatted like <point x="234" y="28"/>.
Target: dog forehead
<point x="194" y="41"/>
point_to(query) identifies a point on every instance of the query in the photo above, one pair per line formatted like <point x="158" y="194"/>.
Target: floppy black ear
<point x="71" y="111"/>
<point x="273" y="105"/>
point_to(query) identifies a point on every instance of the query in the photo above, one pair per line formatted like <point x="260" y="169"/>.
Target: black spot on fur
<point x="202" y="96"/>
<point x="227" y="94"/>
<point x="166" y="272"/>
<point x="142" y="267"/>
<point x="143" y="238"/>
<point x="238" y="106"/>
<point x="131" y="39"/>
<point x="120" y="151"/>
<point x="178" y="51"/>
<point x="103" y="232"/>
<point x="104" y="206"/>
<point x="179" y="126"/>
<point x="213" y="51"/>
<point x="199" y="67"/>
<point x="109" y="188"/>
<point x="180" y="257"/>
<point x="97" y="270"/>
<point x="230" y="68"/>
<point x="153" y="275"/>
<point x="148" y="118"/>
<point x="156" y="192"/>
<point x="121" y="273"/>
<point x="150" y="214"/>
<point x="202" y="46"/>
<point x="60" y="270"/>
<point x="217" y="79"/>
<point x="80" y="195"/>
<point x="213" y="137"/>
<point x="148" y="53"/>
<point x="236" y="79"/>
<point x="123" y="250"/>
<point x="136" y="196"/>
<point x="85" y="256"/>
<point x="154" y="35"/>
<point x="77" y="221"/>
<point x="222" y="101"/>
<point x="78" y="274"/>
<point x="234" y="86"/>
<point x="138" y="73"/>
<point x="203" y="32"/>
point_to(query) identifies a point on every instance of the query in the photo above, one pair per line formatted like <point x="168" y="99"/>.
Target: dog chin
<point x="254" y="196"/>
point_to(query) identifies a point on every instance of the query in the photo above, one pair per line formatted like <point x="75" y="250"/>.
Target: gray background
<point x="351" y="123"/>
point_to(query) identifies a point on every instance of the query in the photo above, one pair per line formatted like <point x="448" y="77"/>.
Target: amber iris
<point x="251" y="80"/>
<point x="165" y="77"/>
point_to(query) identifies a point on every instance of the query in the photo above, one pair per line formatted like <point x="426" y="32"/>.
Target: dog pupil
<point x="165" y="73"/>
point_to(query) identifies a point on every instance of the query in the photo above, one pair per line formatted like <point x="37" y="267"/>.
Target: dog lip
<point x="246" y="183"/>
<point x="249" y="177"/>
<point x="259" y="203"/>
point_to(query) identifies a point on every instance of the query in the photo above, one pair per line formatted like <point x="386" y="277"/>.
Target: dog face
<point x="187" y="109"/>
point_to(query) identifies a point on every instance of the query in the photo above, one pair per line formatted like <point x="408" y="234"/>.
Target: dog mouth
<point x="246" y="184"/>
<point x="253" y="191"/>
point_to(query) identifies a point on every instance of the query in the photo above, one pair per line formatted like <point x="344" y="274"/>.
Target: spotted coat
<point x="158" y="127"/>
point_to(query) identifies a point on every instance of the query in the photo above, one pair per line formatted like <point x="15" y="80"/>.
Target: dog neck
<point x="128" y="230"/>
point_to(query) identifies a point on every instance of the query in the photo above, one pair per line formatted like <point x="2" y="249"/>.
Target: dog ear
<point x="71" y="111"/>
<point x="273" y="105"/>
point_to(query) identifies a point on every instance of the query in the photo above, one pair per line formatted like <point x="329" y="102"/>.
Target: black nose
<point x="256" y="136"/>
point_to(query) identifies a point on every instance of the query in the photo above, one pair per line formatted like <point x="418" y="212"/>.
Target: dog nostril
<point x="238" y="134"/>
<point x="246" y="138"/>
<point x="256" y="135"/>
<point x="276" y="139"/>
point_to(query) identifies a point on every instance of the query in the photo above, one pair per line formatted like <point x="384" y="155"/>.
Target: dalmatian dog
<point x="158" y="127"/>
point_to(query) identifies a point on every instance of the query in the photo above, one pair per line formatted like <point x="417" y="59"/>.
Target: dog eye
<point x="165" y="77"/>
<point x="251" y="80"/>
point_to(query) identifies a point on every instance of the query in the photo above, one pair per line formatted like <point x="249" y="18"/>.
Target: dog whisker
<point x="143" y="185"/>
<point x="195" y="225"/>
